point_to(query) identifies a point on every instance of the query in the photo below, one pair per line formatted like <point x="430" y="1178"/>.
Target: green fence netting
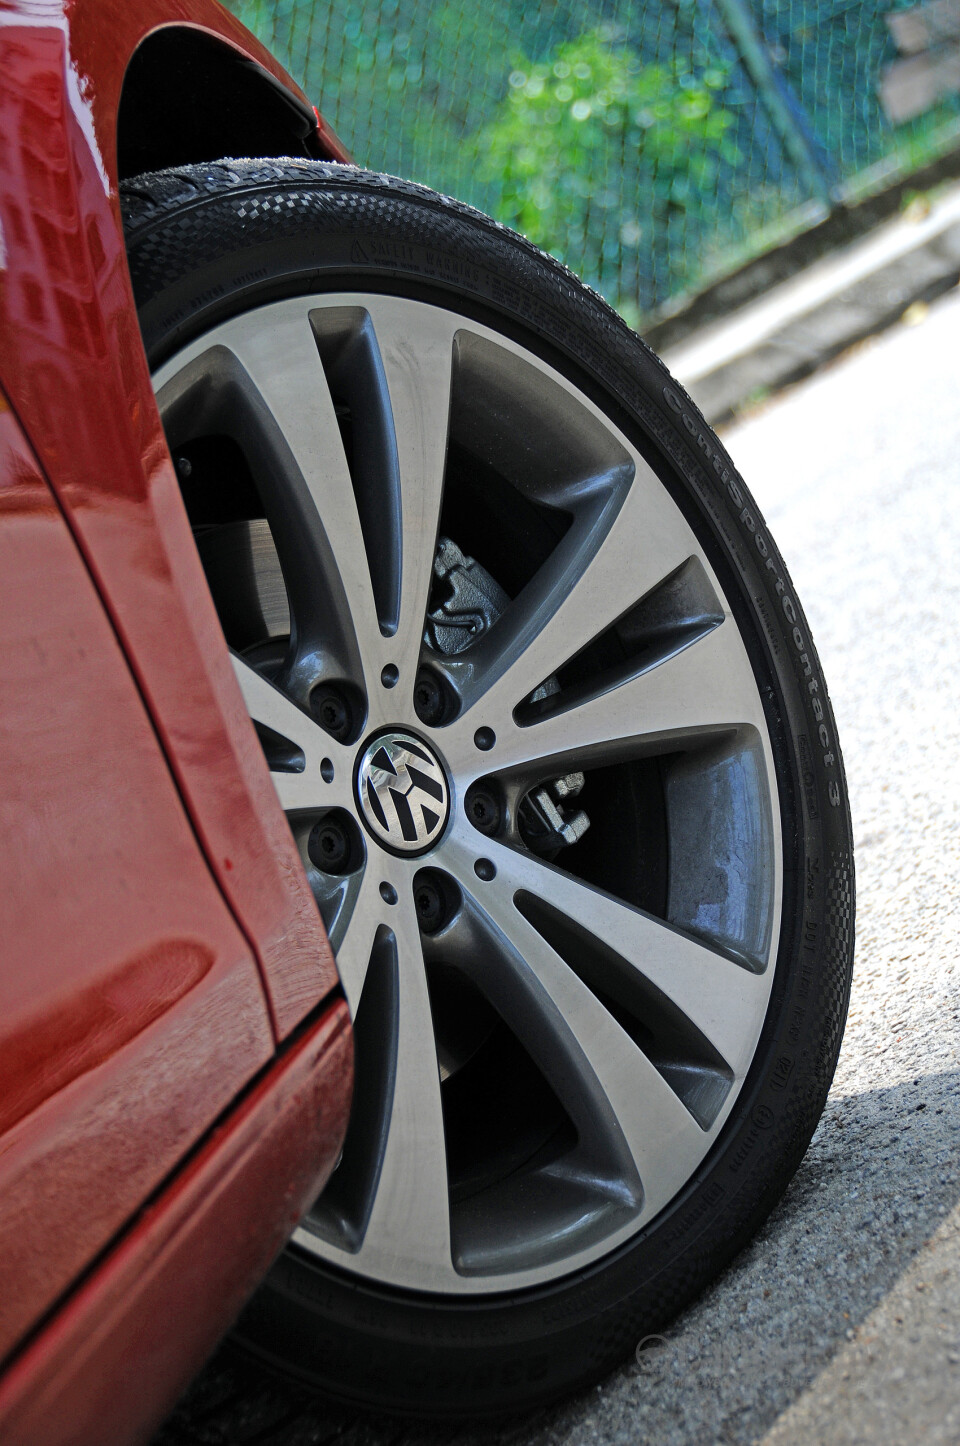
<point x="652" y="147"/>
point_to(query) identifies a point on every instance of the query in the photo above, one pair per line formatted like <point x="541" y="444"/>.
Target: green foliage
<point x="405" y="84"/>
<point x="623" y="135"/>
<point x="591" y="148"/>
<point x="424" y="106"/>
<point x="599" y="157"/>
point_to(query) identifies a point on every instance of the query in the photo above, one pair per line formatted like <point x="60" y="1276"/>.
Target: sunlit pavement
<point x="841" y="1322"/>
<point x="795" y="327"/>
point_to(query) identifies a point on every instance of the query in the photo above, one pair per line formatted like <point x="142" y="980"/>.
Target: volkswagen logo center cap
<point x="402" y="792"/>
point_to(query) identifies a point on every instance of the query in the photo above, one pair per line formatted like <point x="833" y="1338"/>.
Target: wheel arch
<point x="235" y="107"/>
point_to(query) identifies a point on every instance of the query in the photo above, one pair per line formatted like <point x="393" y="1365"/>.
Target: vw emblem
<point x="402" y="792"/>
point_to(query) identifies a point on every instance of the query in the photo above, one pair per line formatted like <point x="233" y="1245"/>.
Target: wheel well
<point x="188" y="97"/>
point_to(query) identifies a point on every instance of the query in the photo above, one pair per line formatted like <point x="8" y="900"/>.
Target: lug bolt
<point x="329" y="846"/>
<point x="428" y="699"/>
<point x="332" y="713"/>
<point x="483" y="809"/>
<point x="429" y="906"/>
<point x="435" y="898"/>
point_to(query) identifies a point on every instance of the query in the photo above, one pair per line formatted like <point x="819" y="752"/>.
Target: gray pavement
<point x="798" y="325"/>
<point x="841" y="1322"/>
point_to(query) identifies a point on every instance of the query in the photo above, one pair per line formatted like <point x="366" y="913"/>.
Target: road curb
<point x="804" y="322"/>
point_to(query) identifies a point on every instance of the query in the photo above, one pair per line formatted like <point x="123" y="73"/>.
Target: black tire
<point x="210" y="241"/>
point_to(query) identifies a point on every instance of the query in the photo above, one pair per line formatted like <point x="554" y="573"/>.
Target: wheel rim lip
<point x="457" y="834"/>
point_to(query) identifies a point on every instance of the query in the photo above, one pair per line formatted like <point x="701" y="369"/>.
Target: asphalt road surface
<point x="841" y="1322"/>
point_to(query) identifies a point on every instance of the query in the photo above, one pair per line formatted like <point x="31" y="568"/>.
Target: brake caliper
<point x="471" y="601"/>
<point x="467" y="603"/>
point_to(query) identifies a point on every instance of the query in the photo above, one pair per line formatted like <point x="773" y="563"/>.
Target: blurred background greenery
<point x="653" y="147"/>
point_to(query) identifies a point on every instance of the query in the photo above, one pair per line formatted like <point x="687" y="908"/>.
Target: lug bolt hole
<point x="485" y="738"/>
<point x="485" y="869"/>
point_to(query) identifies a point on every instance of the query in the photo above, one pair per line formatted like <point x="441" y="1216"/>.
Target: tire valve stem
<point x="545" y="821"/>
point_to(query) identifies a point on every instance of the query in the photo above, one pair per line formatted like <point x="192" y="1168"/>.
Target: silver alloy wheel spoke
<point x="661" y="1136"/>
<point x="409" y="1226"/>
<point x="283" y="364"/>
<point x="312" y="509"/>
<point x="537" y="636"/>
<point x="312" y="506"/>
<point x="621" y="1080"/>
<point x="308" y="789"/>
<point x="353" y="955"/>
<point x="721" y="999"/>
<point x="285" y="367"/>
<point x="417" y="361"/>
<point x="705" y="689"/>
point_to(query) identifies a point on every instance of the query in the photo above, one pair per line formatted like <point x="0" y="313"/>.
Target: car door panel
<point x="72" y="361"/>
<point x="131" y="1008"/>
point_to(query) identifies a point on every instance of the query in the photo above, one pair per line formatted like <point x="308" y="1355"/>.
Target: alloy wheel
<point x="516" y="732"/>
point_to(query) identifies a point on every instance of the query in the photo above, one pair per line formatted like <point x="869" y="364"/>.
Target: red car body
<point x="175" y="1051"/>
